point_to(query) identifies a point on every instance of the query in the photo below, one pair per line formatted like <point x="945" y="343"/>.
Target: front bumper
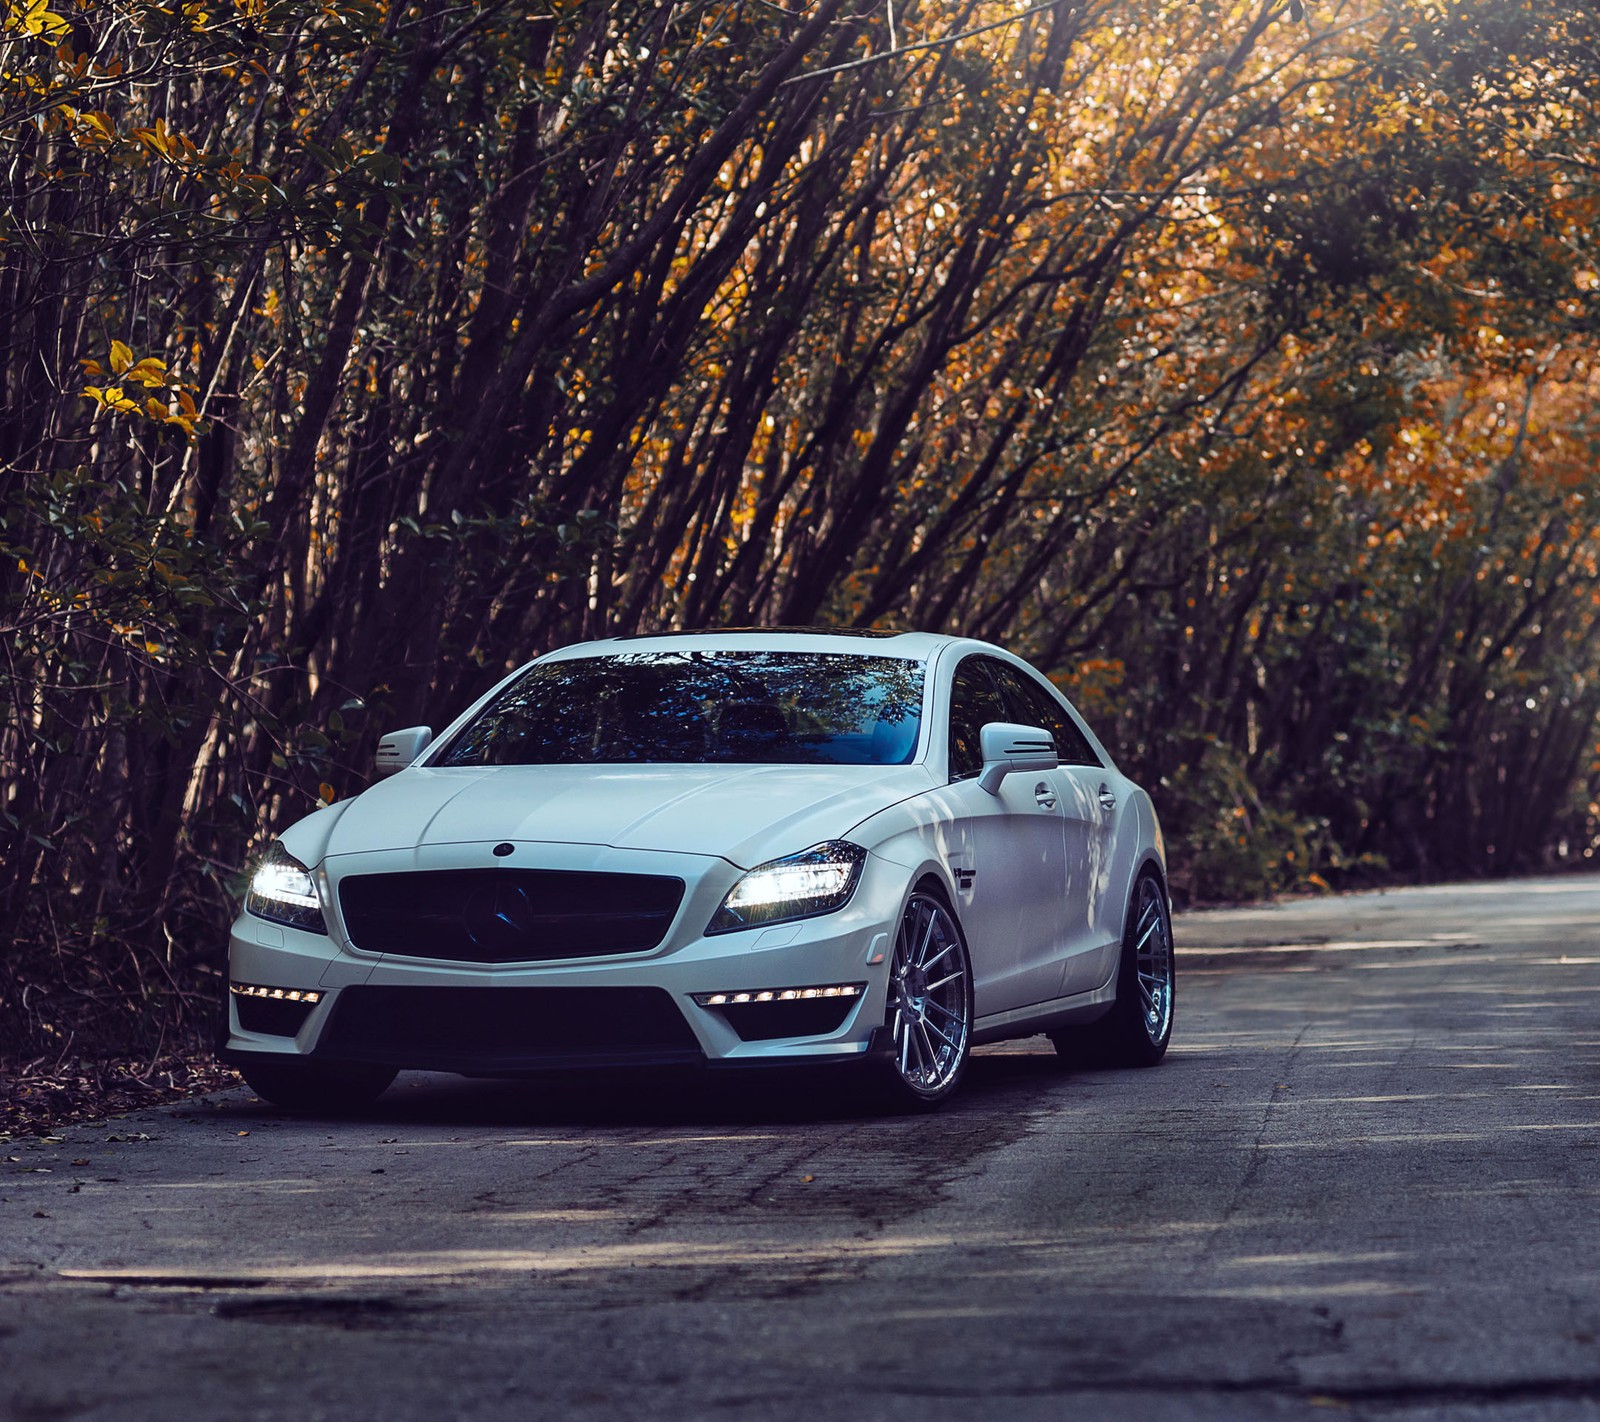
<point x="630" y="1010"/>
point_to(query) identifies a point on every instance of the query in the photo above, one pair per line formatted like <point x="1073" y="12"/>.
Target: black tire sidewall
<point x="317" y="1088"/>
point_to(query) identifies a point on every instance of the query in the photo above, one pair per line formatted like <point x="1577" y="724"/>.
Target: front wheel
<point x="930" y="1003"/>
<point x="1139" y="1026"/>
<point x="314" y="1088"/>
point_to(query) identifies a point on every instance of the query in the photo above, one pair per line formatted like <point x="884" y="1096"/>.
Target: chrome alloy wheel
<point x="930" y="999"/>
<point x="1152" y="957"/>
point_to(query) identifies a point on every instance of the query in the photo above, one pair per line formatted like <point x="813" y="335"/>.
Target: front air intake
<point x="501" y="1030"/>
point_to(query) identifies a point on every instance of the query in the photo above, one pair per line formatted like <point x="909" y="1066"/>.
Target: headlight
<point x="817" y="880"/>
<point x="282" y="889"/>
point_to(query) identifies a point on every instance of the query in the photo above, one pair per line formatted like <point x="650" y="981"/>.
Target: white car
<point x="729" y="849"/>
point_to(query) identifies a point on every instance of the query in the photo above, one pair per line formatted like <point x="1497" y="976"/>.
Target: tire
<point x="930" y="1004"/>
<point x="317" y="1088"/>
<point x="1136" y="1031"/>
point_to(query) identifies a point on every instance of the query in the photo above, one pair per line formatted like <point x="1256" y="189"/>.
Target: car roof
<point x="859" y="641"/>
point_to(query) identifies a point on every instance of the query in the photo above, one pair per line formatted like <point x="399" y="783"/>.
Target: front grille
<point x="508" y="915"/>
<point x="493" y="1030"/>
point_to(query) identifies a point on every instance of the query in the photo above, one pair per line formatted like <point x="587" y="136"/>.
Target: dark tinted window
<point x="787" y="708"/>
<point x="1033" y="705"/>
<point x="974" y="702"/>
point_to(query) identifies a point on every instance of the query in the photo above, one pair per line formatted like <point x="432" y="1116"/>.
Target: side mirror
<point x="1008" y="748"/>
<point x="399" y="748"/>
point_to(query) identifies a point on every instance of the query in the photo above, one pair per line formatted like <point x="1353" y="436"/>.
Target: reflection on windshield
<point x="781" y="708"/>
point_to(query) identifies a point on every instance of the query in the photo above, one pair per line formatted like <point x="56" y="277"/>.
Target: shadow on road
<point x="1003" y="1081"/>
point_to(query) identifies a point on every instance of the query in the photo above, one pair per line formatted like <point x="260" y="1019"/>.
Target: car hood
<point x="743" y="813"/>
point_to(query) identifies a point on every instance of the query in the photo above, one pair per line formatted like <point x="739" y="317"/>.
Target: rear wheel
<point x="317" y="1087"/>
<point x="1137" y="1029"/>
<point x="930" y="1003"/>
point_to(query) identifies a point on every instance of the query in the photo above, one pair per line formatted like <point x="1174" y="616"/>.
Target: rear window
<point x="763" y="707"/>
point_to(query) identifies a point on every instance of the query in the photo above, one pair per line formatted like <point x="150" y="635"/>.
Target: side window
<point x="974" y="702"/>
<point x="1033" y="705"/>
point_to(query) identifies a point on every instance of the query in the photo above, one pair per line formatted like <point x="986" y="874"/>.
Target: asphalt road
<point x="1365" y="1183"/>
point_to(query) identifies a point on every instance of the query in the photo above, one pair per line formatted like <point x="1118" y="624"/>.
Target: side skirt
<point x="1076" y="1011"/>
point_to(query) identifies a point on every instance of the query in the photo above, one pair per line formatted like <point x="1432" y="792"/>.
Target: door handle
<point x="1043" y="796"/>
<point x="1108" y="801"/>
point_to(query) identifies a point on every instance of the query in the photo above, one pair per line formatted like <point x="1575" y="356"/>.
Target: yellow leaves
<point x="157" y="139"/>
<point x="33" y="17"/>
<point x="161" y="141"/>
<point x="111" y="398"/>
<point x="95" y="130"/>
<point x="251" y="9"/>
<point x="150" y="372"/>
<point x="98" y="131"/>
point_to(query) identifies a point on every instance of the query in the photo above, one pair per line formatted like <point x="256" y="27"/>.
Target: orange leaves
<point x="1093" y="685"/>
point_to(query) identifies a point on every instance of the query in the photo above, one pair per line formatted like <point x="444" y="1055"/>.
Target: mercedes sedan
<point x="721" y="849"/>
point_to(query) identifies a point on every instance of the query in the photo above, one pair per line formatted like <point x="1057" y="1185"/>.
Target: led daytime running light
<point x="277" y="994"/>
<point x="804" y="994"/>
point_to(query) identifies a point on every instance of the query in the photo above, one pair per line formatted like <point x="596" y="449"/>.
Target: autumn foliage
<point x="1234" y="361"/>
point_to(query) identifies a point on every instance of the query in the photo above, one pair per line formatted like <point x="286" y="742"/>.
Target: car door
<point x="1014" y="845"/>
<point x="1090" y="920"/>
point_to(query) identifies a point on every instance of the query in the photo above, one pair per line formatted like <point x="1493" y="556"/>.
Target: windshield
<point x="776" y="708"/>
